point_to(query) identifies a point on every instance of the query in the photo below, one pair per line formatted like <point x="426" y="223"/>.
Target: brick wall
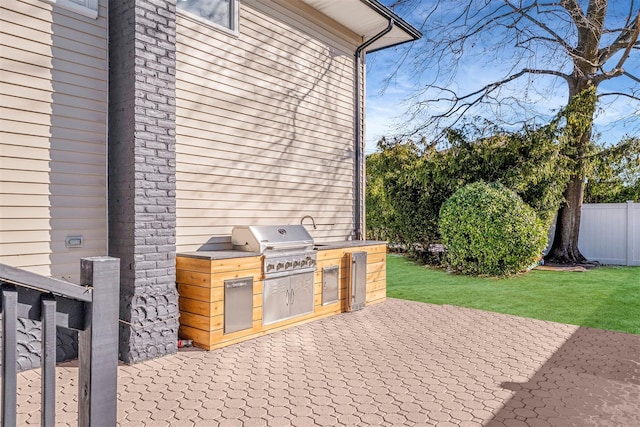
<point x="142" y="212"/>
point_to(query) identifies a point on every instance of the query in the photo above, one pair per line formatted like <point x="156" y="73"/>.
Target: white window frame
<point x="234" y="6"/>
<point x="90" y="8"/>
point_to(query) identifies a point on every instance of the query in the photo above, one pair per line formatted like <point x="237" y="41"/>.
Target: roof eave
<point x="366" y="19"/>
<point x="389" y="14"/>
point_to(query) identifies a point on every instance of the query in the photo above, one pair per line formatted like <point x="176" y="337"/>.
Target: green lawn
<point x="605" y="297"/>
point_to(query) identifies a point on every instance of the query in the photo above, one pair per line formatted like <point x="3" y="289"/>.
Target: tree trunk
<point x="565" y="242"/>
<point x="580" y="112"/>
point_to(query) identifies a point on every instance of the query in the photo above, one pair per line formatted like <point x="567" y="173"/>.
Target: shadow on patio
<point x="592" y="379"/>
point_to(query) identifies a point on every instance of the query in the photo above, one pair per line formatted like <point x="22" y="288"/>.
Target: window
<point x="84" y="7"/>
<point x="220" y="12"/>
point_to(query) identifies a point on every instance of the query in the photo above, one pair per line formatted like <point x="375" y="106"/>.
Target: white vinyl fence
<point x="610" y="233"/>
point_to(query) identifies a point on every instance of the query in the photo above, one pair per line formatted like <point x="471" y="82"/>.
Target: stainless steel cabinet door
<point x="301" y="294"/>
<point x="275" y="300"/>
<point x="330" y="284"/>
<point x="238" y="304"/>
<point x="357" y="280"/>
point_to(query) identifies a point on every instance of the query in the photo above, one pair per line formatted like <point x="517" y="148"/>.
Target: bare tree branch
<point x="633" y="38"/>
<point x="459" y="106"/>
<point x="628" y="38"/>
<point x="575" y="12"/>
<point x="554" y="36"/>
<point x="632" y="77"/>
<point x="625" y="94"/>
<point x="558" y="38"/>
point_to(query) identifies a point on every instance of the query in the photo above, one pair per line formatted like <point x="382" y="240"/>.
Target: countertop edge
<point x="212" y="255"/>
<point x="347" y="244"/>
<point x="217" y="255"/>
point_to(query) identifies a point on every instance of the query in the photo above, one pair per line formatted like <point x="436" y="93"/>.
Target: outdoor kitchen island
<point x="223" y="295"/>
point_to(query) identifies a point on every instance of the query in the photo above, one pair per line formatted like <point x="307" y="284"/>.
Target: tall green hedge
<point x="488" y="230"/>
<point x="407" y="181"/>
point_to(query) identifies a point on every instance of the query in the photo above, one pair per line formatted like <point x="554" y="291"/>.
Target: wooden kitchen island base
<point x="201" y="278"/>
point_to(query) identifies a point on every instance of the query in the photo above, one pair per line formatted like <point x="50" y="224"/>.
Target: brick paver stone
<point x="395" y="363"/>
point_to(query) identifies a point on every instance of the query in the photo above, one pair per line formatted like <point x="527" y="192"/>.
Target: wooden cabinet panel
<point x="201" y="290"/>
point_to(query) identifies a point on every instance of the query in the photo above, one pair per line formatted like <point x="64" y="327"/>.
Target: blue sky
<point x="386" y="109"/>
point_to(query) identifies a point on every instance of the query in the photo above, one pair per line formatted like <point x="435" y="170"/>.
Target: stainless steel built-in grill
<point x="287" y="249"/>
<point x="288" y="268"/>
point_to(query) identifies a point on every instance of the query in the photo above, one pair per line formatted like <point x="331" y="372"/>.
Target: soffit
<point x="367" y="18"/>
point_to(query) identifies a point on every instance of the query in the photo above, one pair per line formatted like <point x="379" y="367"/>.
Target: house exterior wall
<point x="264" y="124"/>
<point x="53" y="127"/>
<point x="264" y="130"/>
<point x="53" y="130"/>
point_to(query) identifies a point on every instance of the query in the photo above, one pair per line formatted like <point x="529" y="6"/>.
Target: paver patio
<point x="396" y="363"/>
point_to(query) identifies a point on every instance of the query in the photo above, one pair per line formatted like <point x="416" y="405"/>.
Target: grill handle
<point x="287" y="247"/>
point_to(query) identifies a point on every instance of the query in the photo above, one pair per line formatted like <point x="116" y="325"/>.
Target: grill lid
<point x="261" y="238"/>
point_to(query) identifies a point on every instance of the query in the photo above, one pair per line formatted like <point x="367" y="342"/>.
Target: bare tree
<point x="575" y="47"/>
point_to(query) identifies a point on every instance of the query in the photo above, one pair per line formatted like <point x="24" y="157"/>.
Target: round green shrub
<point x="488" y="230"/>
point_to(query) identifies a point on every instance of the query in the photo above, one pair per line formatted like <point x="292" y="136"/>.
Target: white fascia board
<point x="367" y="18"/>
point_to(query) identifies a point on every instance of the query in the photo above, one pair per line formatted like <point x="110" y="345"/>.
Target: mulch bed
<point x="567" y="267"/>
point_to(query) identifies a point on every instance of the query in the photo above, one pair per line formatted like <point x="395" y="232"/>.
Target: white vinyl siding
<point x="264" y="126"/>
<point x="53" y="114"/>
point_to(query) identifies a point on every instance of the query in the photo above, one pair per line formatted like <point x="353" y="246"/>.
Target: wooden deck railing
<point x="90" y="308"/>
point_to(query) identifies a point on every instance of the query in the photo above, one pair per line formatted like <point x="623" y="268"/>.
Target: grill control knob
<point x="303" y="263"/>
<point x="280" y="266"/>
<point x="270" y="267"/>
<point x="296" y="264"/>
<point x="288" y="265"/>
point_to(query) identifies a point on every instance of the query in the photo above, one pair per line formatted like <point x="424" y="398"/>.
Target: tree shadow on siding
<point x="76" y="182"/>
<point x="296" y="98"/>
<point x="286" y="82"/>
<point x="78" y="132"/>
